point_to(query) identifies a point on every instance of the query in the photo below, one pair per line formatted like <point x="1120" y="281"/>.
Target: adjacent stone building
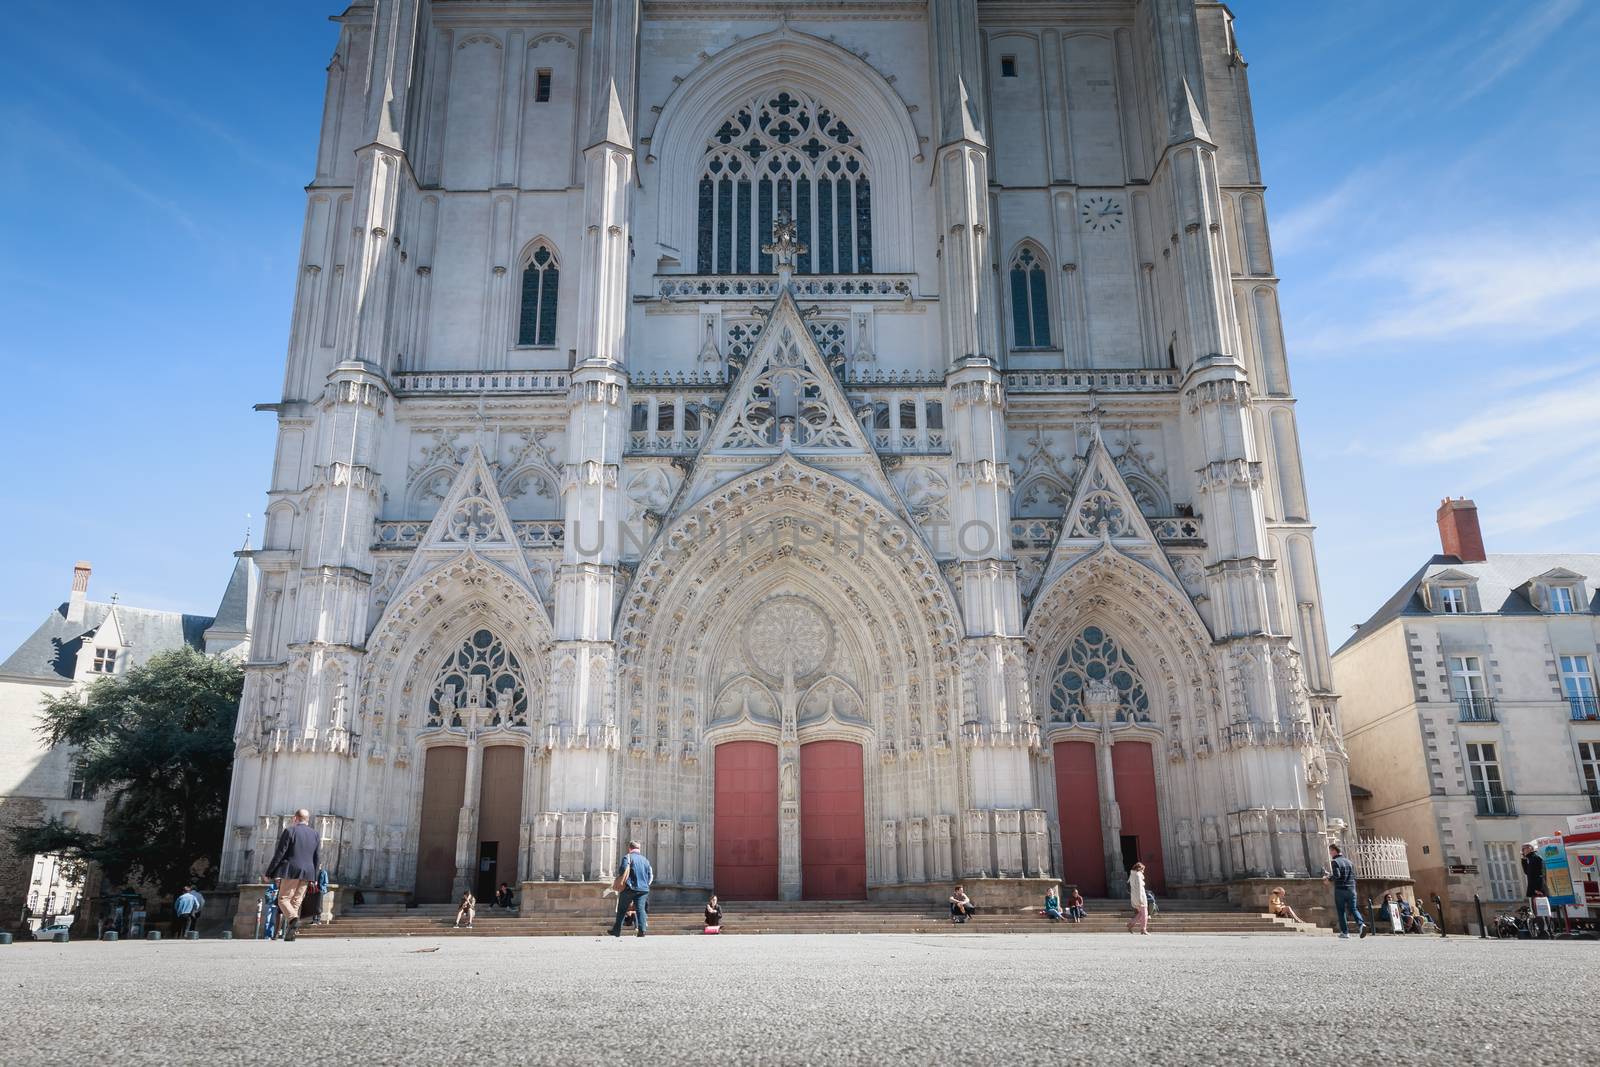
<point x="842" y="446"/>
<point x="1470" y="712"/>
<point x="79" y="641"/>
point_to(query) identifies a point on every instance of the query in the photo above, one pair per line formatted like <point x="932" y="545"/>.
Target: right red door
<point x="1133" y="770"/>
<point x="833" y="822"/>
<point x="1083" y="850"/>
<point x="745" y="852"/>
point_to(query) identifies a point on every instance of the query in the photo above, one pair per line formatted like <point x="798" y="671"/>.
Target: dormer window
<point x="1561" y="600"/>
<point x="105" y="661"/>
<point x="1452" y="592"/>
<point x="1558" y="591"/>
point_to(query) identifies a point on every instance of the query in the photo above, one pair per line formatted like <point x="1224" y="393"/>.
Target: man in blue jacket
<point x="634" y="875"/>
<point x="294" y="865"/>
<point x="187" y="908"/>
<point x="1343" y="877"/>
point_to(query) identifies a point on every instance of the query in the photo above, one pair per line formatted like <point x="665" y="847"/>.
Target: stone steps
<point x="796" y="919"/>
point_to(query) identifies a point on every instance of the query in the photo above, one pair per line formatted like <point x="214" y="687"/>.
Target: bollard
<point x="60" y="937"/>
<point x="1438" y="906"/>
<point x="192" y="935"/>
<point x="1483" y="931"/>
<point x="108" y="935"/>
<point x="5" y="938"/>
<point x="226" y="935"/>
<point x="152" y="935"/>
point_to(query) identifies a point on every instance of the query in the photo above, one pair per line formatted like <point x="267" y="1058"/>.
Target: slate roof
<point x="233" y="614"/>
<point x="51" y="652"/>
<point x="1503" y="586"/>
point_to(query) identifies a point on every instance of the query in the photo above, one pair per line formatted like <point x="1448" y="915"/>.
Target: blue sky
<point x="1432" y="174"/>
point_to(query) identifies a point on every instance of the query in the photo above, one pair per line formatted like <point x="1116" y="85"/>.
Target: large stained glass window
<point x="801" y="158"/>
<point x="1096" y="658"/>
<point x="482" y="683"/>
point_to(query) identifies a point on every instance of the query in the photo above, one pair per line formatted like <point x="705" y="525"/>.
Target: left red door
<point x="745" y="853"/>
<point x="444" y="779"/>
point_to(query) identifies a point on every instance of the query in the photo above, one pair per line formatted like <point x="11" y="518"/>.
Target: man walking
<point x="294" y="865"/>
<point x="1343" y="877"/>
<point x="633" y="888"/>
<point x="1533" y="872"/>
<point x="187" y="907"/>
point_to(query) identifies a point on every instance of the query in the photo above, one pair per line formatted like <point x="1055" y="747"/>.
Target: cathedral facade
<point x="845" y="447"/>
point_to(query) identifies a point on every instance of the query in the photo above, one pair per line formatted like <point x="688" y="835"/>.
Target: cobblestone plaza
<point x="1106" y="999"/>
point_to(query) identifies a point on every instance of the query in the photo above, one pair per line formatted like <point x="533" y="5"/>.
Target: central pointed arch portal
<point x="807" y="659"/>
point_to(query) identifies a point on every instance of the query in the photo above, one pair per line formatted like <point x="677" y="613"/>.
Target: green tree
<point x="157" y="743"/>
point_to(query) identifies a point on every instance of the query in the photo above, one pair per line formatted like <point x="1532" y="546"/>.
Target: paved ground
<point x="982" y="999"/>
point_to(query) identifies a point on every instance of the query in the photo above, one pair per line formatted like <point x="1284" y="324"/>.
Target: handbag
<point x="620" y="882"/>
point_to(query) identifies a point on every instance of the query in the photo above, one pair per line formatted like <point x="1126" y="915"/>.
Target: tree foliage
<point x="157" y="743"/>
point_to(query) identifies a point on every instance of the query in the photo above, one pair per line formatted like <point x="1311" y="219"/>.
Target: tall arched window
<point x="784" y="152"/>
<point x="1030" y="300"/>
<point x="541" y="280"/>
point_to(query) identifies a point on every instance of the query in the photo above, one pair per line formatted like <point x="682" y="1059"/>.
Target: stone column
<point x="585" y="738"/>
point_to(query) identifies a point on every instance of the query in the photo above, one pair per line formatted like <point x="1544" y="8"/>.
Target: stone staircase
<point x="799" y="917"/>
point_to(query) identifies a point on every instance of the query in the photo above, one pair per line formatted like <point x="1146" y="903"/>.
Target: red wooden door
<point x="745" y="853"/>
<point x="1133" y="769"/>
<point x="833" y="822"/>
<point x="1083" y="850"/>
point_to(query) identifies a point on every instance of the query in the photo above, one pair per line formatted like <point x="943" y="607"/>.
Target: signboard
<point x="1583" y="824"/>
<point x="1557" y="876"/>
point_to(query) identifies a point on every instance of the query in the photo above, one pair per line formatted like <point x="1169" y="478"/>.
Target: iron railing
<point x="1582" y="707"/>
<point x="1475" y="709"/>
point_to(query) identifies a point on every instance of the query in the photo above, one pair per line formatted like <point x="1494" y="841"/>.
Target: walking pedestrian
<point x="1342" y="876"/>
<point x="1140" y="902"/>
<point x="187" y="908"/>
<point x="1533" y="872"/>
<point x="632" y="886"/>
<point x="294" y="865"/>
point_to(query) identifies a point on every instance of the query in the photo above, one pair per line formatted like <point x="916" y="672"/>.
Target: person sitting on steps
<point x="1075" y="910"/>
<point x="1279" y="906"/>
<point x="961" y="908"/>
<point x="1052" y="904"/>
<point x="468" y="910"/>
<point x="713" y="916"/>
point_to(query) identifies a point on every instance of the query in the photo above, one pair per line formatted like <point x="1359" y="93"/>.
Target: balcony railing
<point x="1583" y="707"/>
<point x="1594" y="801"/>
<point x="1496" y="802"/>
<point x="446" y="382"/>
<point x="1475" y="709"/>
<point x="1382" y="858"/>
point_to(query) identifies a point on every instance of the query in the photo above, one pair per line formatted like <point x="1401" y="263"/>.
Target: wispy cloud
<point x="1536" y="453"/>
<point x="1302" y="226"/>
<point x="1486" y="285"/>
<point x="1518" y="44"/>
<point x="30" y="135"/>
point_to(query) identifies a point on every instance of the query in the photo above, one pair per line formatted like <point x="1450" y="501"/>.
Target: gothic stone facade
<point x="843" y="446"/>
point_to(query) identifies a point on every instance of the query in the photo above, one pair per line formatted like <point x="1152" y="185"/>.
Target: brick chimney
<point x="1459" y="535"/>
<point x="80" y="591"/>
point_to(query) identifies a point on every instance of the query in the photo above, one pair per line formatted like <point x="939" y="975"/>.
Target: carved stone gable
<point x="786" y="397"/>
<point x="471" y="518"/>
